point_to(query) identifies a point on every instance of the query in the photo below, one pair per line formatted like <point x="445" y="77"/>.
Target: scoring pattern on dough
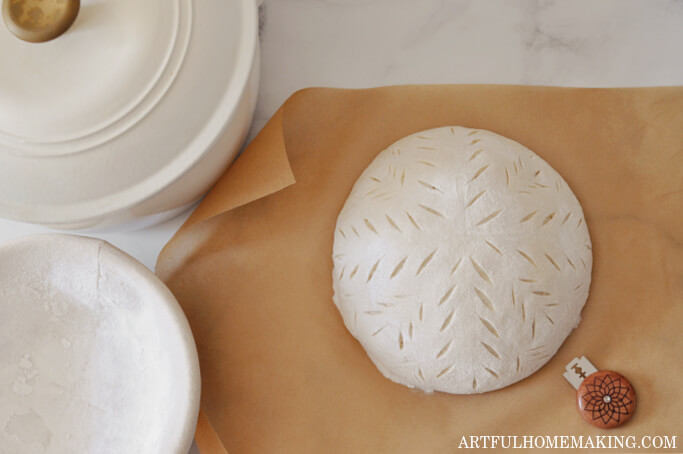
<point x="468" y="261"/>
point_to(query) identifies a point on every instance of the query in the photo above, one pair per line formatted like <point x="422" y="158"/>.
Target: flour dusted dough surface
<point x="461" y="261"/>
<point x="92" y="360"/>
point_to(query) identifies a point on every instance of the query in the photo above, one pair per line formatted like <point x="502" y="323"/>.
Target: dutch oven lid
<point x="106" y="102"/>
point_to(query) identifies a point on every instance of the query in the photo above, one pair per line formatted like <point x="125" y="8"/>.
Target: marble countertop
<point x="365" y="43"/>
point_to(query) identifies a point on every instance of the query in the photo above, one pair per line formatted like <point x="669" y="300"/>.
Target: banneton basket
<point x="121" y="111"/>
<point x="97" y="355"/>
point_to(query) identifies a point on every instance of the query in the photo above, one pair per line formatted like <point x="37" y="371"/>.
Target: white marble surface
<point x="361" y="43"/>
<point x="364" y="43"/>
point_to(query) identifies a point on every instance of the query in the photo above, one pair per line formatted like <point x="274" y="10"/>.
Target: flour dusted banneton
<point x="96" y="356"/>
<point x="461" y="261"/>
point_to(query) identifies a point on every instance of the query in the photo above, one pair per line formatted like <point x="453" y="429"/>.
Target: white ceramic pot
<point x="130" y="115"/>
<point x="96" y="355"/>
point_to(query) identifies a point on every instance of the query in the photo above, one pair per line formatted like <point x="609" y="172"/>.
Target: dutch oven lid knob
<point x="38" y="21"/>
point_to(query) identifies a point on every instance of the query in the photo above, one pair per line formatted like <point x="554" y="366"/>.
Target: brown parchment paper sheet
<point x="252" y="270"/>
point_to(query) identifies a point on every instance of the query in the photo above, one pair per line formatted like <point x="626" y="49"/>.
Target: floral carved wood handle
<point x="606" y="399"/>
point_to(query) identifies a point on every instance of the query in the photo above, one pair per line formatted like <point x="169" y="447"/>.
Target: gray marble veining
<point x="362" y="43"/>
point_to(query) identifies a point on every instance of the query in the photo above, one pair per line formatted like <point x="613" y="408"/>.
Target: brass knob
<point x="38" y="21"/>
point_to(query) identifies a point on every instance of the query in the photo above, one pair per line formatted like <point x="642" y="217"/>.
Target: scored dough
<point x="461" y="261"/>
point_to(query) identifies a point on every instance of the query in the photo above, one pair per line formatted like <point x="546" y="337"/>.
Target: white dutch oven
<point x="127" y="114"/>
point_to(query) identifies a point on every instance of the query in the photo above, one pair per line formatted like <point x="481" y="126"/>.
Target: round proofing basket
<point x="94" y="347"/>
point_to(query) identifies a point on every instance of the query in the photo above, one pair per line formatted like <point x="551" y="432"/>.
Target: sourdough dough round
<point x="461" y="261"/>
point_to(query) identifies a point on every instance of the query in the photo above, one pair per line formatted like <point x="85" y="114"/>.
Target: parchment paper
<point x="252" y="270"/>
